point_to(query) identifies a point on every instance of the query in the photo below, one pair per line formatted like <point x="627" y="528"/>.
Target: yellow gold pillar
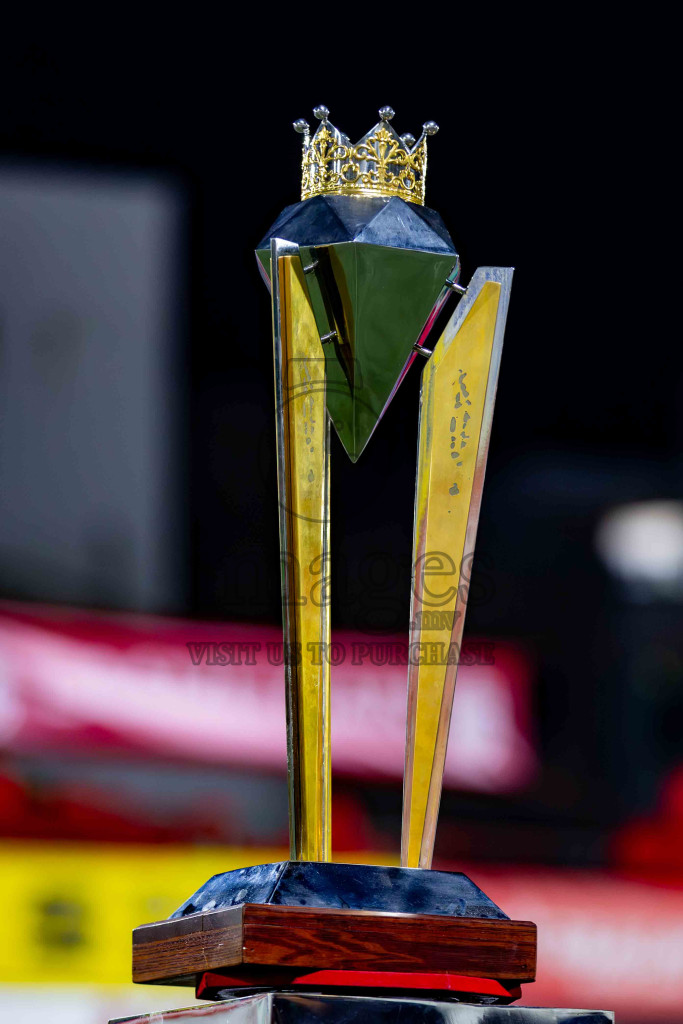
<point x="303" y="486"/>
<point x="458" y="391"/>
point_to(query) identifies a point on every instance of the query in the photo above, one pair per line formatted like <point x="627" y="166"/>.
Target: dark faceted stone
<point x="400" y="226"/>
<point x="244" y="885"/>
<point x="436" y="224"/>
<point x="352" y="886"/>
<point x="393" y="222"/>
<point x="376" y="268"/>
<point x="357" y="213"/>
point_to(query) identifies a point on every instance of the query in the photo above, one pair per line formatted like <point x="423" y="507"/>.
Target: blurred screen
<point x="90" y="295"/>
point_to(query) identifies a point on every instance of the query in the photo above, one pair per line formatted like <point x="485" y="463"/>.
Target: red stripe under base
<point x="360" y="979"/>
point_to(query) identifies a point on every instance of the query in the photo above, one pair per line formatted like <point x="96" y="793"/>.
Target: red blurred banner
<point x="215" y="693"/>
<point x="604" y="941"/>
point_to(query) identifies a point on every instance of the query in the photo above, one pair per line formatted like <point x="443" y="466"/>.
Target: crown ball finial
<point x="408" y="140"/>
<point x="322" y="113"/>
<point x="430" y="128"/>
<point x="386" y="113"/>
<point x="301" y="127"/>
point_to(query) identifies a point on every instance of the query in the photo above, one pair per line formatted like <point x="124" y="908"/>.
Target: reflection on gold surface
<point x="458" y="388"/>
<point x="303" y="442"/>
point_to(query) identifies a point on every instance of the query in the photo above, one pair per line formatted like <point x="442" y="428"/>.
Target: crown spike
<point x="428" y="128"/>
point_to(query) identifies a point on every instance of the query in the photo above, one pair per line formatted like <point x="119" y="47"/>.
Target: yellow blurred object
<point x="74" y="906"/>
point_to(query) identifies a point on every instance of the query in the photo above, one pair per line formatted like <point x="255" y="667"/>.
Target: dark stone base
<point x="344" y="886"/>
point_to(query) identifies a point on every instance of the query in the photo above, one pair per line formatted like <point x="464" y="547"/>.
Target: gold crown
<point x="381" y="164"/>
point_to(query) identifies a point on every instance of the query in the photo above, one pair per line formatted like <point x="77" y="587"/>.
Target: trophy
<point x="359" y="272"/>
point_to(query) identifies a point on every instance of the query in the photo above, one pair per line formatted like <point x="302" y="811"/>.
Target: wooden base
<point x="176" y="951"/>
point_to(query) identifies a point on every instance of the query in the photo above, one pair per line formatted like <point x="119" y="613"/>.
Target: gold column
<point x="303" y="486"/>
<point x="458" y="391"/>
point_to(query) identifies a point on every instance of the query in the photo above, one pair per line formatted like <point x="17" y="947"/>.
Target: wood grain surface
<point x="337" y="939"/>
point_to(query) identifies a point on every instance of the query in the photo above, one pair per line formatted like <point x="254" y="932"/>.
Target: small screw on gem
<point x="422" y="351"/>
